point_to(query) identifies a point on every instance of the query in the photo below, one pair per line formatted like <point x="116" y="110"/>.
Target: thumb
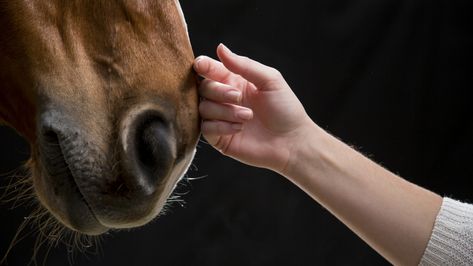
<point x="260" y="75"/>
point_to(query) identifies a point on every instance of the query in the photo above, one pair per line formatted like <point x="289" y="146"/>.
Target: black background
<point x="390" y="77"/>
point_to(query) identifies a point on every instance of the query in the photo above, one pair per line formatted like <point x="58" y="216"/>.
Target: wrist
<point x="303" y="149"/>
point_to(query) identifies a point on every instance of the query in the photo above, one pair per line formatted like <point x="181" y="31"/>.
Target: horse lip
<point x="82" y="196"/>
<point x="67" y="175"/>
<point x="78" y="189"/>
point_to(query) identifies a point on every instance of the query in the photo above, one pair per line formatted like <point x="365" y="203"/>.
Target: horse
<point x="105" y="95"/>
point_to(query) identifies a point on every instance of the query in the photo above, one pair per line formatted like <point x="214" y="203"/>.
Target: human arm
<point x="392" y="215"/>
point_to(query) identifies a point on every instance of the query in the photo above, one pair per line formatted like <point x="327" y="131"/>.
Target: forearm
<point x="393" y="216"/>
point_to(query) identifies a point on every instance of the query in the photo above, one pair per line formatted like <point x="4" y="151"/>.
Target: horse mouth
<point x="75" y="211"/>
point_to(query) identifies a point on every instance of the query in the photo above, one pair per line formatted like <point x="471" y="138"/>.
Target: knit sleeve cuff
<point x="451" y="242"/>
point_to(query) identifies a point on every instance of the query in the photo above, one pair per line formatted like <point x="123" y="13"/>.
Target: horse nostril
<point x="152" y="152"/>
<point x="152" y="147"/>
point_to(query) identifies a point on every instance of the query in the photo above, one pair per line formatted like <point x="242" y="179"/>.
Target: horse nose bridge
<point x="147" y="149"/>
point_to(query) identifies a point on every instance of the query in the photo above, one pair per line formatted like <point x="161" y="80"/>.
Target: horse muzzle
<point x="93" y="185"/>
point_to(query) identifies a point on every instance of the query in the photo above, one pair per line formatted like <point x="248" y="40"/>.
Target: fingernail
<point x="197" y="62"/>
<point x="234" y="95"/>
<point x="245" y="114"/>
<point x="237" y="126"/>
<point x="226" y="49"/>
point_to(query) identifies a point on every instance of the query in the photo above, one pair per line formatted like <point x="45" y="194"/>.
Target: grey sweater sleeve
<point x="451" y="242"/>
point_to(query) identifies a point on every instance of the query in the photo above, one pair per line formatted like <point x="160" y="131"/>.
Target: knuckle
<point x="274" y="73"/>
<point x="223" y="94"/>
<point x="274" y="78"/>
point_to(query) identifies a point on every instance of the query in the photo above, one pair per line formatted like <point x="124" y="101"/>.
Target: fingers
<point x="224" y="112"/>
<point x="220" y="111"/>
<point x="213" y="129"/>
<point x="211" y="69"/>
<point x="264" y="77"/>
<point x="218" y="92"/>
<point x="220" y="117"/>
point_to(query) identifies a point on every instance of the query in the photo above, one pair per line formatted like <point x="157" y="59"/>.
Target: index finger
<point x="264" y="77"/>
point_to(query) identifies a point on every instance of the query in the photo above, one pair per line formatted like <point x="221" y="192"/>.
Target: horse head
<point x="105" y="94"/>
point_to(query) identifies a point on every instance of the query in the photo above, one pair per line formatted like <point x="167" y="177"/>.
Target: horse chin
<point x="65" y="202"/>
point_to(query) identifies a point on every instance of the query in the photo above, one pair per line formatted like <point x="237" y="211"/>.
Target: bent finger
<point x="219" y="92"/>
<point x="225" y="112"/>
<point x="211" y="69"/>
<point x="211" y="129"/>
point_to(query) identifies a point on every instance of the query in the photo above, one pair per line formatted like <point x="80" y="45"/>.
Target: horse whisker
<point x="48" y="231"/>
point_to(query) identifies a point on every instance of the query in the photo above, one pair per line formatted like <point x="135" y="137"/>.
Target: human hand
<point x="249" y="112"/>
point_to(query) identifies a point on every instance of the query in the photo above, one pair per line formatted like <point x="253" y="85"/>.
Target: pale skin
<point x="251" y="114"/>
